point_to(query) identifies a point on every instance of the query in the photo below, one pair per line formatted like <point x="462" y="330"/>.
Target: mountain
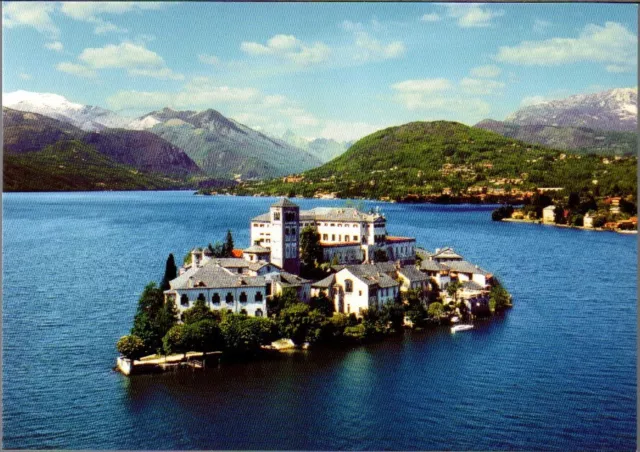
<point x="28" y="134"/>
<point x="419" y="160"/>
<point x="580" y="139"/>
<point x="224" y="148"/>
<point x="142" y="150"/>
<point x="324" y="149"/>
<point x="71" y="165"/>
<point x="615" y="110"/>
<point x="85" y="117"/>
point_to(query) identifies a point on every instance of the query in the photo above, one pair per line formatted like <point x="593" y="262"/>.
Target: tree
<point x="170" y="272"/>
<point x="131" y="347"/>
<point x="199" y="311"/>
<point x="499" y="298"/>
<point x="380" y="255"/>
<point x="241" y="337"/>
<point x="435" y="311"/>
<point x="311" y="253"/>
<point x="392" y="315"/>
<point x="453" y="288"/>
<point x="204" y="336"/>
<point x="177" y="340"/>
<point x="228" y="244"/>
<point x="574" y="200"/>
<point x="322" y="304"/>
<point x="301" y="324"/>
<point x="152" y="318"/>
<point x="558" y="215"/>
<point x="286" y="298"/>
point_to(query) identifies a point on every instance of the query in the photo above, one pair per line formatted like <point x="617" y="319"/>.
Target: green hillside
<point x="425" y="158"/>
<point x="72" y="165"/>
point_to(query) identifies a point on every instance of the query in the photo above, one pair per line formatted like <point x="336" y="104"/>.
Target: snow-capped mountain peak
<point x="615" y="109"/>
<point x="86" y="117"/>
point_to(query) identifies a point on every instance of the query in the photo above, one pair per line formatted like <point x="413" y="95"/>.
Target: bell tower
<point x="285" y="235"/>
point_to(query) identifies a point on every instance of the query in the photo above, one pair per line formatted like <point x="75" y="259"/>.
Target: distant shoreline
<point x="567" y="226"/>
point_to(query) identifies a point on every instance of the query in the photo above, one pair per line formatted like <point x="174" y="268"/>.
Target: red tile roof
<point x="400" y="239"/>
<point x="237" y="253"/>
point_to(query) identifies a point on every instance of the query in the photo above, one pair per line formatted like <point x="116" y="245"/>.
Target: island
<point x="329" y="275"/>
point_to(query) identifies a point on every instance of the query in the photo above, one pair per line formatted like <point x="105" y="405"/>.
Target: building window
<point x="258" y="296"/>
<point x="348" y="308"/>
<point x="355" y="238"/>
<point x="201" y="297"/>
<point x="215" y="299"/>
<point x="243" y="311"/>
<point x="259" y="313"/>
<point x="286" y="231"/>
<point x="243" y="297"/>
<point x="184" y="300"/>
<point x="229" y="298"/>
<point x="325" y="237"/>
<point x="348" y="285"/>
<point x="360" y="292"/>
<point x="276" y="216"/>
<point x="333" y="224"/>
<point x="346" y="238"/>
<point x="333" y="237"/>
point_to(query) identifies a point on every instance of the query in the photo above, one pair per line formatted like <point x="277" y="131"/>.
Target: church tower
<point x="285" y="235"/>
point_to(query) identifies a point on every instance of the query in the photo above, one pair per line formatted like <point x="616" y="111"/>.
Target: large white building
<point x="346" y="234"/>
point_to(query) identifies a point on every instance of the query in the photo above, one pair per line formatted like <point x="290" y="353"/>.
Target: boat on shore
<point x="456" y="328"/>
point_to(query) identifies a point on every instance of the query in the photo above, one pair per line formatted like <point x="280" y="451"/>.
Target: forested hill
<point x="421" y="159"/>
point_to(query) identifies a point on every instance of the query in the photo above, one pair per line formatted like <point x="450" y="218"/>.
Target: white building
<point x="345" y="233"/>
<point x="466" y="271"/>
<point x="357" y="287"/>
<point x="220" y="288"/>
<point x="548" y="214"/>
<point x="436" y="272"/>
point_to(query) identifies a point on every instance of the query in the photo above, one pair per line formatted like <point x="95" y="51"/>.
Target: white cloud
<point x="423" y="86"/>
<point x="612" y="43"/>
<point x="25" y="76"/>
<point x="432" y="17"/>
<point x="488" y="71"/>
<point x="347" y="131"/>
<point x="76" y="69"/>
<point x="30" y="14"/>
<point x="289" y="47"/>
<point x="472" y="15"/>
<point x="480" y="87"/>
<point x="370" y="49"/>
<point x="56" y="46"/>
<point x="208" y="59"/>
<point x="91" y="11"/>
<point x="437" y="99"/>
<point x="125" y="55"/>
<point x="532" y="100"/>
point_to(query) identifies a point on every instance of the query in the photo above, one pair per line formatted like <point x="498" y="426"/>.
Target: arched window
<point x="348" y="285"/>
<point x="201" y="297"/>
<point x="215" y="299"/>
<point x="258" y="296"/>
<point x="243" y="297"/>
<point x="184" y="300"/>
<point x="259" y="313"/>
<point x="229" y="298"/>
<point x="243" y="311"/>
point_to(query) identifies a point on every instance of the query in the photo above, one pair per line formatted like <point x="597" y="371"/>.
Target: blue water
<point x="557" y="372"/>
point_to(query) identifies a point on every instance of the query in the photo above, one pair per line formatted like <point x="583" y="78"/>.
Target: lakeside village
<point x="552" y="206"/>
<point x="310" y="277"/>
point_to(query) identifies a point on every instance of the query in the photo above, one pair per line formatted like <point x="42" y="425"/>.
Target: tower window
<point x="276" y="216"/>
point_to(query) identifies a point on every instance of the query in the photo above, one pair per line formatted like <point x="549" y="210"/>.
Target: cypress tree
<point x="228" y="245"/>
<point x="170" y="272"/>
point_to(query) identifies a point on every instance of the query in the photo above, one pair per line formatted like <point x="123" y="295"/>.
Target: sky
<point x="326" y="70"/>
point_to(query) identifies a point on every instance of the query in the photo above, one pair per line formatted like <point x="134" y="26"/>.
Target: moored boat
<point x="461" y="328"/>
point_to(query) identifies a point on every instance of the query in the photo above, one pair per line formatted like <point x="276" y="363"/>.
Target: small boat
<point x="455" y="319"/>
<point x="461" y="328"/>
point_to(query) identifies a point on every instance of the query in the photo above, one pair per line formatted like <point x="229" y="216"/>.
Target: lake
<point x="557" y="372"/>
